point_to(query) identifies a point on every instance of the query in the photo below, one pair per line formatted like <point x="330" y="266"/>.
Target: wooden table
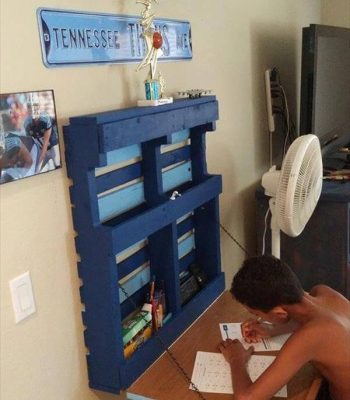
<point x="164" y="381"/>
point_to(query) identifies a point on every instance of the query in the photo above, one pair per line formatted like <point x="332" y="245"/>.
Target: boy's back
<point x="329" y="328"/>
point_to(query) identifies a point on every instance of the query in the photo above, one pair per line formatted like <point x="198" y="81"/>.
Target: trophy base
<point x="154" y="103"/>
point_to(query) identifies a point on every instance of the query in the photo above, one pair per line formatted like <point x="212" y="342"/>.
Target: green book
<point x="134" y="325"/>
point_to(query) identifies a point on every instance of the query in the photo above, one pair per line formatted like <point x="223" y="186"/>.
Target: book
<point x="137" y="341"/>
<point x="133" y="325"/>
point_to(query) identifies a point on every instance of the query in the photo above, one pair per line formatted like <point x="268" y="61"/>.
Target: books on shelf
<point x="132" y="326"/>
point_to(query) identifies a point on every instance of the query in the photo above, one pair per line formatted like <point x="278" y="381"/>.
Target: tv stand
<point x="339" y="160"/>
<point x="321" y="253"/>
<point x="334" y="164"/>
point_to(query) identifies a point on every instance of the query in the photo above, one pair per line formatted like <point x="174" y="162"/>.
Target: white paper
<point x="212" y="374"/>
<point x="233" y="331"/>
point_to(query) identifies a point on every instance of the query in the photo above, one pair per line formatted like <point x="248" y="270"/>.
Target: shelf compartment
<point x="134" y="229"/>
<point x="120" y="186"/>
<point x="152" y="349"/>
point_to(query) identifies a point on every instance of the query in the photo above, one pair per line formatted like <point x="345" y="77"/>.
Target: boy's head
<point x="265" y="282"/>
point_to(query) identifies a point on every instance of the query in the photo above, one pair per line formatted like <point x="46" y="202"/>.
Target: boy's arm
<point x="253" y="330"/>
<point x="298" y="350"/>
<point x="280" y="329"/>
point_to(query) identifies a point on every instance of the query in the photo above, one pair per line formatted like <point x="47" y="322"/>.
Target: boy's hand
<point x="234" y="352"/>
<point x="253" y="330"/>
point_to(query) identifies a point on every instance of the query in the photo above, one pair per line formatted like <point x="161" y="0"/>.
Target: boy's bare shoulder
<point x="320" y="333"/>
<point x="332" y="300"/>
<point x="323" y="290"/>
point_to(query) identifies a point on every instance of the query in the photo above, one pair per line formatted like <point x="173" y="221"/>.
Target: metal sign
<point x="70" y="37"/>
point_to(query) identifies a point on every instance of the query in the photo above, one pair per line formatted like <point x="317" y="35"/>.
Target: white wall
<point x="336" y="13"/>
<point x="42" y="358"/>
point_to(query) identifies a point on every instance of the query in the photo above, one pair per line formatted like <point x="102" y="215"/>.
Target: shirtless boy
<point x="319" y="320"/>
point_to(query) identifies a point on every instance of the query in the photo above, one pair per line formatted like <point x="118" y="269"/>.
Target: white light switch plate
<point x="22" y="296"/>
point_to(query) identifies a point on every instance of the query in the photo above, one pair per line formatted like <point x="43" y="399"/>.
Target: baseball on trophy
<point x="157" y="40"/>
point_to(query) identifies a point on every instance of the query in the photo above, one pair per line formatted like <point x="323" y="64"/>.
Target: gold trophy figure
<point x="154" y="87"/>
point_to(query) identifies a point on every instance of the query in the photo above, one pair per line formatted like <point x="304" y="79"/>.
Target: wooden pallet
<point x="124" y="167"/>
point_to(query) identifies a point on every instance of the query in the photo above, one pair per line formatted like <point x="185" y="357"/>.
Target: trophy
<point x="154" y="86"/>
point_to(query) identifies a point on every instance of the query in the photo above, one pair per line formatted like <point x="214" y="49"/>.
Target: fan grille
<point x="300" y="184"/>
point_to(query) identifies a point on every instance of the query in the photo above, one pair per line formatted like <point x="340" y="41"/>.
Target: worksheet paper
<point x="233" y="331"/>
<point x="212" y="373"/>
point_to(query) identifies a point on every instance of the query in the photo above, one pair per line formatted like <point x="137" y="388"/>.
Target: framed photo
<point x="28" y="135"/>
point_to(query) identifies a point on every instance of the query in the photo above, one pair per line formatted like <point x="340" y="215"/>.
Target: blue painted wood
<point x="131" y="172"/>
<point x="79" y="156"/>
<point x="208" y="251"/>
<point x="138" y="299"/>
<point x="131" y="250"/>
<point x="123" y="154"/>
<point x="84" y="218"/>
<point x="143" y="128"/>
<point x="187" y="260"/>
<point x="143" y="277"/>
<point x="185" y="226"/>
<point x="151" y="172"/>
<point x="198" y="152"/>
<point x="118" y="177"/>
<point x="135" y="283"/>
<point x="100" y="297"/>
<point x="175" y="156"/>
<point x="134" y="151"/>
<point x="131" y="263"/>
<point x="120" y="201"/>
<point x="134" y="112"/>
<point x="175" y="177"/>
<point x="183" y="217"/>
<point x="186" y="246"/>
<point x="163" y="252"/>
<point x="180" y="136"/>
<point x="109" y="221"/>
<point x="142" y="225"/>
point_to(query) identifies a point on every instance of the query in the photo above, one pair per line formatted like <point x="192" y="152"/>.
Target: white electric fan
<point x="295" y="189"/>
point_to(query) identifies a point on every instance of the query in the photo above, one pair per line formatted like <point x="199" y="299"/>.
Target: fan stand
<point x="275" y="231"/>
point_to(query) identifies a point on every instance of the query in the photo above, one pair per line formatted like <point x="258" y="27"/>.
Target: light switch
<point x="22" y="296"/>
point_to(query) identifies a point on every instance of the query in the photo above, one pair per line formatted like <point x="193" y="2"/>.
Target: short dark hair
<point x="265" y="282"/>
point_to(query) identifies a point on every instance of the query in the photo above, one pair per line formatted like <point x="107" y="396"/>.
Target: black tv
<point x="325" y="86"/>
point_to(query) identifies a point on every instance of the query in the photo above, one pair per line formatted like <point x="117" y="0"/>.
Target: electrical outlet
<point x="22" y="296"/>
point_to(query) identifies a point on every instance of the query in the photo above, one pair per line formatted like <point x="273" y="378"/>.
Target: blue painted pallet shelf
<point x="124" y="166"/>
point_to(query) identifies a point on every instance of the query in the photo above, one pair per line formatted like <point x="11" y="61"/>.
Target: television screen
<point x="28" y="135"/>
<point x="325" y="86"/>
